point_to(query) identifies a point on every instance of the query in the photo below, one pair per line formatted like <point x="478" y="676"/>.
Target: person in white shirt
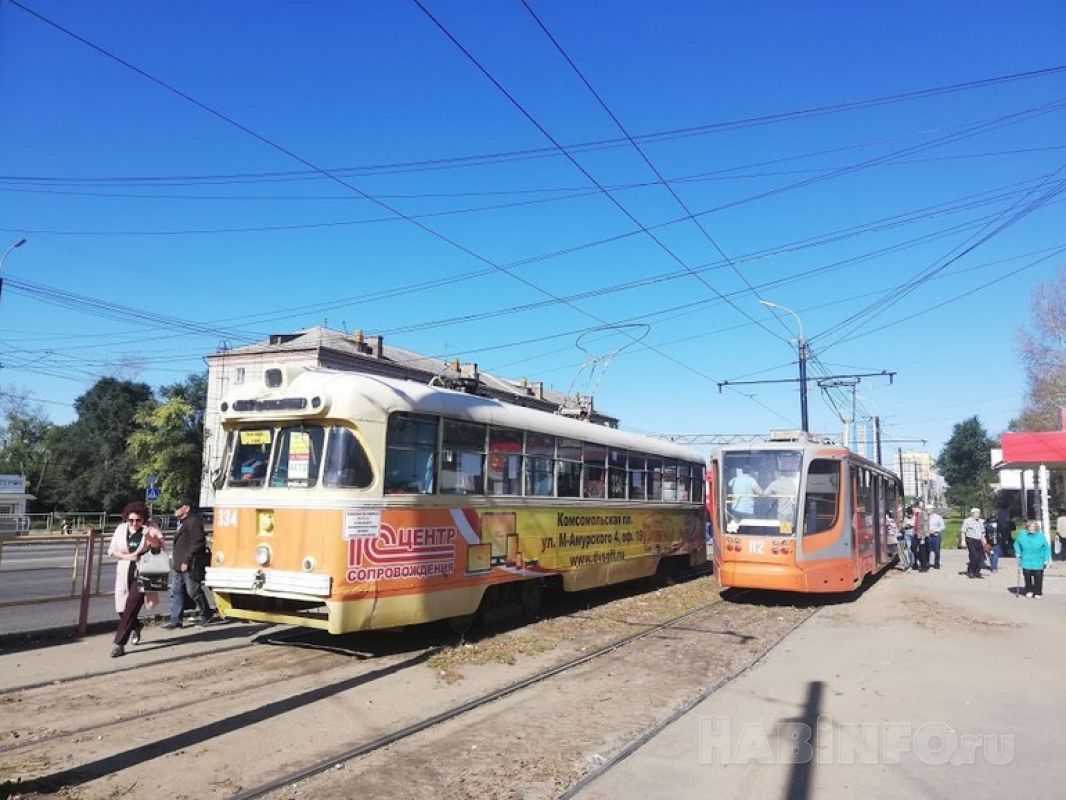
<point x="936" y="528"/>
<point x="973" y="531"/>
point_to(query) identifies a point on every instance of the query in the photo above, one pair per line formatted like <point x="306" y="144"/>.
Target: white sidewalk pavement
<point x="929" y="685"/>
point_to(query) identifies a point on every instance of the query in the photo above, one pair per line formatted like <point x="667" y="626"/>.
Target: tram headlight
<point x="220" y="558"/>
<point x="262" y="555"/>
<point x="309" y="564"/>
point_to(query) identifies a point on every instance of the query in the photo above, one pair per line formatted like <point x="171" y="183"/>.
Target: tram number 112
<point x="756" y="546"/>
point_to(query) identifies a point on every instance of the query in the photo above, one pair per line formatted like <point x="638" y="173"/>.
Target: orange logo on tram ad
<point x="403" y="546"/>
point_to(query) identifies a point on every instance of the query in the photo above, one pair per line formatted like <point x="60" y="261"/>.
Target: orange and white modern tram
<point x="351" y="502"/>
<point x="800" y="516"/>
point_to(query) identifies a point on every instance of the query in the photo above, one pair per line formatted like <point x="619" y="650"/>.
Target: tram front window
<point x="761" y="491"/>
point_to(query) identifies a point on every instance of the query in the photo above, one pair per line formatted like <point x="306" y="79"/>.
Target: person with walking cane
<point x="1033" y="556"/>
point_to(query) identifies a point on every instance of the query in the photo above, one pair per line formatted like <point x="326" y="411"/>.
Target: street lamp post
<point x="7" y="252"/>
<point x="3" y="258"/>
<point x="801" y="346"/>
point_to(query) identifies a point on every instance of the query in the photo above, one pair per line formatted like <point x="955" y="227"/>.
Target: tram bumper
<point x="762" y="575"/>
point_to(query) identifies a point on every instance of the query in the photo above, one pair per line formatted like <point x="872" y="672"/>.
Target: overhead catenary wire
<point x="489" y="158"/>
<point x="339" y="180"/>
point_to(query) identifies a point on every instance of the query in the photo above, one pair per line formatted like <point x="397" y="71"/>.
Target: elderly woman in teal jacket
<point x="1033" y="555"/>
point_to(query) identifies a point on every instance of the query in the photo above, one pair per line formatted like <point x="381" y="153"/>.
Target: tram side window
<point x="250" y="457"/>
<point x="670" y="481"/>
<point x="568" y="468"/>
<point x="410" y="454"/>
<point x="540" y="465"/>
<point x="297" y="456"/>
<point x="655" y="478"/>
<point x="638" y="476"/>
<point x="595" y="460"/>
<point x="505" y="461"/>
<point x="823" y="495"/>
<point x="698" y="481"/>
<point x="616" y="474"/>
<point x="347" y="464"/>
<point x="684" y="482"/>
<point x="864" y="501"/>
<point x="462" y="458"/>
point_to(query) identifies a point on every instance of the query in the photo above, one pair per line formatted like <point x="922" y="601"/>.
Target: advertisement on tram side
<point x="439" y="544"/>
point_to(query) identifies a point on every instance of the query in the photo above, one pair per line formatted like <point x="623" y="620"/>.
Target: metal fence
<point x="85" y="567"/>
<point x="77" y="522"/>
<point x="81" y="556"/>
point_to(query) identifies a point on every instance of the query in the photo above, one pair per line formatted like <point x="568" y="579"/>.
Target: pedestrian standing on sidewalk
<point x="918" y="517"/>
<point x="189" y="563"/>
<point x="132" y="538"/>
<point x="936" y="529"/>
<point x="973" y="531"/>
<point x="992" y="545"/>
<point x="921" y="538"/>
<point x="1033" y="556"/>
<point x="1005" y="527"/>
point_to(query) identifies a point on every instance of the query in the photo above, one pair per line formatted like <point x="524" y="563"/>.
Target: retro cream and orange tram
<point x="796" y="515"/>
<point x="350" y="502"/>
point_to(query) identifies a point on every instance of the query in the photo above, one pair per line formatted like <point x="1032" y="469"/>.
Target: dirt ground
<point x="210" y="725"/>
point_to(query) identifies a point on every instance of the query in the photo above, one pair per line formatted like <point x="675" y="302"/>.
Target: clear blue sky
<point x="133" y="196"/>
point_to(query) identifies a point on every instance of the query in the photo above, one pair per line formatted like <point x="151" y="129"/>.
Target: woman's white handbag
<point x="153" y="571"/>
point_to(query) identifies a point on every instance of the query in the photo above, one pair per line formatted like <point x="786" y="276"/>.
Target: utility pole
<point x="877" y="438"/>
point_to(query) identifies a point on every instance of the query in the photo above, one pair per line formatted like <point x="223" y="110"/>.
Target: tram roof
<point x="352" y="394"/>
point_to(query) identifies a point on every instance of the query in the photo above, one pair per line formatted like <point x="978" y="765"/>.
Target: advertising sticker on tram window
<point x="362" y="523"/>
<point x="299" y="456"/>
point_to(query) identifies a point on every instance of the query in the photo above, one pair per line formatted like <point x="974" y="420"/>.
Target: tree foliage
<point x="169" y="440"/>
<point x="24" y="440"/>
<point x="1042" y="348"/>
<point x="123" y="433"/>
<point x="93" y="466"/>
<point x="964" y="463"/>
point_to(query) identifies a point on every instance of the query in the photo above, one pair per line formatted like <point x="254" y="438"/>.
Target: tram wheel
<point x="531" y="596"/>
<point x="463" y="624"/>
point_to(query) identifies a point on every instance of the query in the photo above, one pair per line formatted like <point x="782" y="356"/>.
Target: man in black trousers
<point x="189" y="554"/>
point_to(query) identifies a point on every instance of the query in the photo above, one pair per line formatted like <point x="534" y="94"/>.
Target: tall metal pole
<point x="877" y="438"/>
<point x="801" y="346"/>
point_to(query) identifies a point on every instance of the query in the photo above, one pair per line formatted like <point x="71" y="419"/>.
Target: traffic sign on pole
<point x="151" y="494"/>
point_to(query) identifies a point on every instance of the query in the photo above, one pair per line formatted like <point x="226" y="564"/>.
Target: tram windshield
<point x="760" y="490"/>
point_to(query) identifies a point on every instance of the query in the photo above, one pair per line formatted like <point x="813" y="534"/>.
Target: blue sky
<point x="135" y="197"/>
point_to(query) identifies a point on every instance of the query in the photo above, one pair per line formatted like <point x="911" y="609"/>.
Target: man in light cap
<point x="189" y="561"/>
<point x="973" y="531"/>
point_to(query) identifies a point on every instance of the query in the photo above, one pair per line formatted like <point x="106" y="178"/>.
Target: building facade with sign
<point x="13" y="499"/>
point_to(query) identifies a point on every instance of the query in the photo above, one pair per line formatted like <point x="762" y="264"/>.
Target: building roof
<point x="356" y="352"/>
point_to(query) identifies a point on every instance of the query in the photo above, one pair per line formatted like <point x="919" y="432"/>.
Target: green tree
<point x="25" y="435"/>
<point x="168" y="440"/>
<point x="92" y="465"/>
<point x="965" y="464"/>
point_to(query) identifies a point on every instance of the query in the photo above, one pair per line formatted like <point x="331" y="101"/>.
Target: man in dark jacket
<point x="189" y="554"/>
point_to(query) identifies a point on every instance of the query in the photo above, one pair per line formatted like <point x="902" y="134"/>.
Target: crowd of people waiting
<point x="986" y="539"/>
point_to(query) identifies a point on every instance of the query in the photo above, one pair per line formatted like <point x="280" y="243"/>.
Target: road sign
<point x="151" y="494"/>
<point x="153" y="480"/>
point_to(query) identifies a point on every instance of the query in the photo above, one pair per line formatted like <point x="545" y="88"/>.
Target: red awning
<point x="1031" y="449"/>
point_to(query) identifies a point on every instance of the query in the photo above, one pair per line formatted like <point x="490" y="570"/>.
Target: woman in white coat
<point x="132" y="538"/>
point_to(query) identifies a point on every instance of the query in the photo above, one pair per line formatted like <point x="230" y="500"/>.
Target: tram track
<point x="245" y="725"/>
<point x="319" y="767"/>
<point x="187" y="704"/>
